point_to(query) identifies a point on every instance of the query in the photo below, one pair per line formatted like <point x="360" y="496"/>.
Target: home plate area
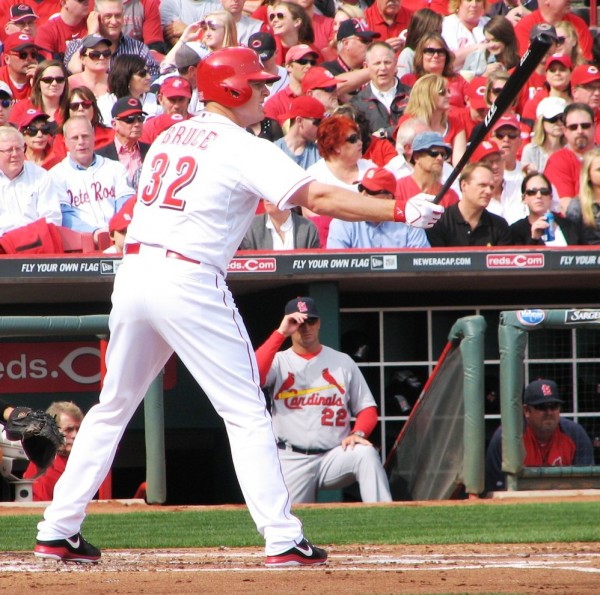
<point x="520" y="568"/>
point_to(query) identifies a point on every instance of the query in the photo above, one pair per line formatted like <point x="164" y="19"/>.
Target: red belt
<point x="135" y="249"/>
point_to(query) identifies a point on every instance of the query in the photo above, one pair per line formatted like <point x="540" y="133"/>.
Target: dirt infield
<point x="551" y="569"/>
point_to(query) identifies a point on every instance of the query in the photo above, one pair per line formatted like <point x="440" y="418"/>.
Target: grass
<point x="514" y="523"/>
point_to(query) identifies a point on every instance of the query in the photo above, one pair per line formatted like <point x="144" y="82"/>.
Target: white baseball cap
<point x="4" y="88"/>
<point x="550" y="107"/>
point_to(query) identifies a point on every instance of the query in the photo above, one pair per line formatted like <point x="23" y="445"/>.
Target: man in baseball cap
<point x="304" y="305"/>
<point x="352" y="38"/>
<point x="585" y="88"/>
<point x="20" y="61"/>
<point x="6" y="103"/>
<point x="299" y="60"/>
<point x="379" y="183"/>
<point x="322" y="85"/>
<point x="429" y="152"/>
<point x="549" y="439"/>
<point x="22" y="19"/>
<point x="476" y="103"/>
<point x="299" y="144"/>
<point x="174" y="95"/>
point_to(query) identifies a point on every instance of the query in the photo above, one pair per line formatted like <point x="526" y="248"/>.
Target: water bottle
<point x="549" y="232"/>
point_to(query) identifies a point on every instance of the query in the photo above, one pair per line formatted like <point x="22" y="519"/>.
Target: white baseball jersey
<point x="314" y="399"/>
<point x="207" y="205"/>
<point x="32" y="195"/>
<point x="90" y="197"/>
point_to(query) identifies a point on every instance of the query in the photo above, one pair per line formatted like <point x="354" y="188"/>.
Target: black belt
<point x="282" y="445"/>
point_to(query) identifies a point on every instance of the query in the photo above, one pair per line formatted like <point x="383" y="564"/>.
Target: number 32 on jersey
<point x="185" y="172"/>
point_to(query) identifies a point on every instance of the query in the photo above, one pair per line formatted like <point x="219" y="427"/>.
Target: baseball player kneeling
<point x="315" y="391"/>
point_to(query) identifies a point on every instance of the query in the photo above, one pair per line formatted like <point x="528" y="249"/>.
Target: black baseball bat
<point x="532" y="57"/>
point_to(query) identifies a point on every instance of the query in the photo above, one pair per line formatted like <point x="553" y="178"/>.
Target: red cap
<point x="476" y="92"/>
<point x="306" y="107"/>
<point x="297" y="52"/>
<point x="584" y="74"/>
<point x="376" y="179"/>
<point x="15" y="42"/>
<point x="30" y="115"/>
<point x="318" y="77"/>
<point x="121" y="219"/>
<point x="485" y="149"/>
<point x="176" y="86"/>
<point x="564" y="60"/>
<point x="507" y="121"/>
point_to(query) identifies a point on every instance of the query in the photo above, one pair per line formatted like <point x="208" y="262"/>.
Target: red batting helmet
<point x="224" y="76"/>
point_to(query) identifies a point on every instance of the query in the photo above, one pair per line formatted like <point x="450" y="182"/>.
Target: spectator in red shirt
<point x="20" y="61"/>
<point x="291" y="26"/>
<point x="69" y="24"/>
<point x="563" y="168"/>
<point x="552" y="12"/>
<point x="389" y="19"/>
<point x="44" y="9"/>
<point x="585" y="88"/>
<point x="68" y="417"/>
<point x="429" y="151"/>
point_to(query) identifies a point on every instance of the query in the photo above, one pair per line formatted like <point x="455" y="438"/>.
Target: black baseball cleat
<point x="302" y="554"/>
<point x="70" y="549"/>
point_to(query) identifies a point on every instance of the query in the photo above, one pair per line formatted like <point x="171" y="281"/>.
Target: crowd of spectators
<point x="367" y="88"/>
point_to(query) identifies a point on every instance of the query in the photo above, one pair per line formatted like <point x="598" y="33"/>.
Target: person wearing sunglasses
<point x="20" y="59"/>
<point x="129" y="75"/>
<point x="127" y="121"/>
<point x="506" y="133"/>
<point x="38" y="133"/>
<point x="22" y="19"/>
<point x="95" y="55"/>
<point x="319" y="447"/>
<point x="378" y="183"/>
<point x="549" y="440"/>
<point x="299" y="143"/>
<point x="291" y="26"/>
<point x="49" y="93"/>
<point x="563" y="167"/>
<point x="92" y="188"/>
<point x="341" y="164"/>
<point x="532" y="229"/>
<point x="6" y="103"/>
<point x="109" y="24"/>
<point x="299" y="60"/>
<point x="428" y="154"/>
<point x="548" y="134"/>
<point x="69" y="24"/>
<point x="432" y="55"/>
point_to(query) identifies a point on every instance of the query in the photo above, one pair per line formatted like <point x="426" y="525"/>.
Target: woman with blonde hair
<point x="584" y="210"/>
<point x="568" y="42"/>
<point x="548" y="134"/>
<point x="463" y="31"/>
<point x="430" y="101"/>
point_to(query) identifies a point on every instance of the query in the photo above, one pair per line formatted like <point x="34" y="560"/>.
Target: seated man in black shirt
<point x="468" y="223"/>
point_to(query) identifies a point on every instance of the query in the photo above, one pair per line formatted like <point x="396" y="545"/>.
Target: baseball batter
<point x="199" y="188"/>
<point x="315" y="390"/>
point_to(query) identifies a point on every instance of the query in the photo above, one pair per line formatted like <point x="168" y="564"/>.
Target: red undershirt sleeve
<point x="366" y="420"/>
<point x="266" y="353"/>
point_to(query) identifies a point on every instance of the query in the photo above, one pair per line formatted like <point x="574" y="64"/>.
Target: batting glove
<point x="418" y="211"/>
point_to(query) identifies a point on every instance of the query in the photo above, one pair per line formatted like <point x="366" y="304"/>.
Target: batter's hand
<point x="421" y="212"/>
<point x="354" y="439"/>
<point x="291" y="323"/>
